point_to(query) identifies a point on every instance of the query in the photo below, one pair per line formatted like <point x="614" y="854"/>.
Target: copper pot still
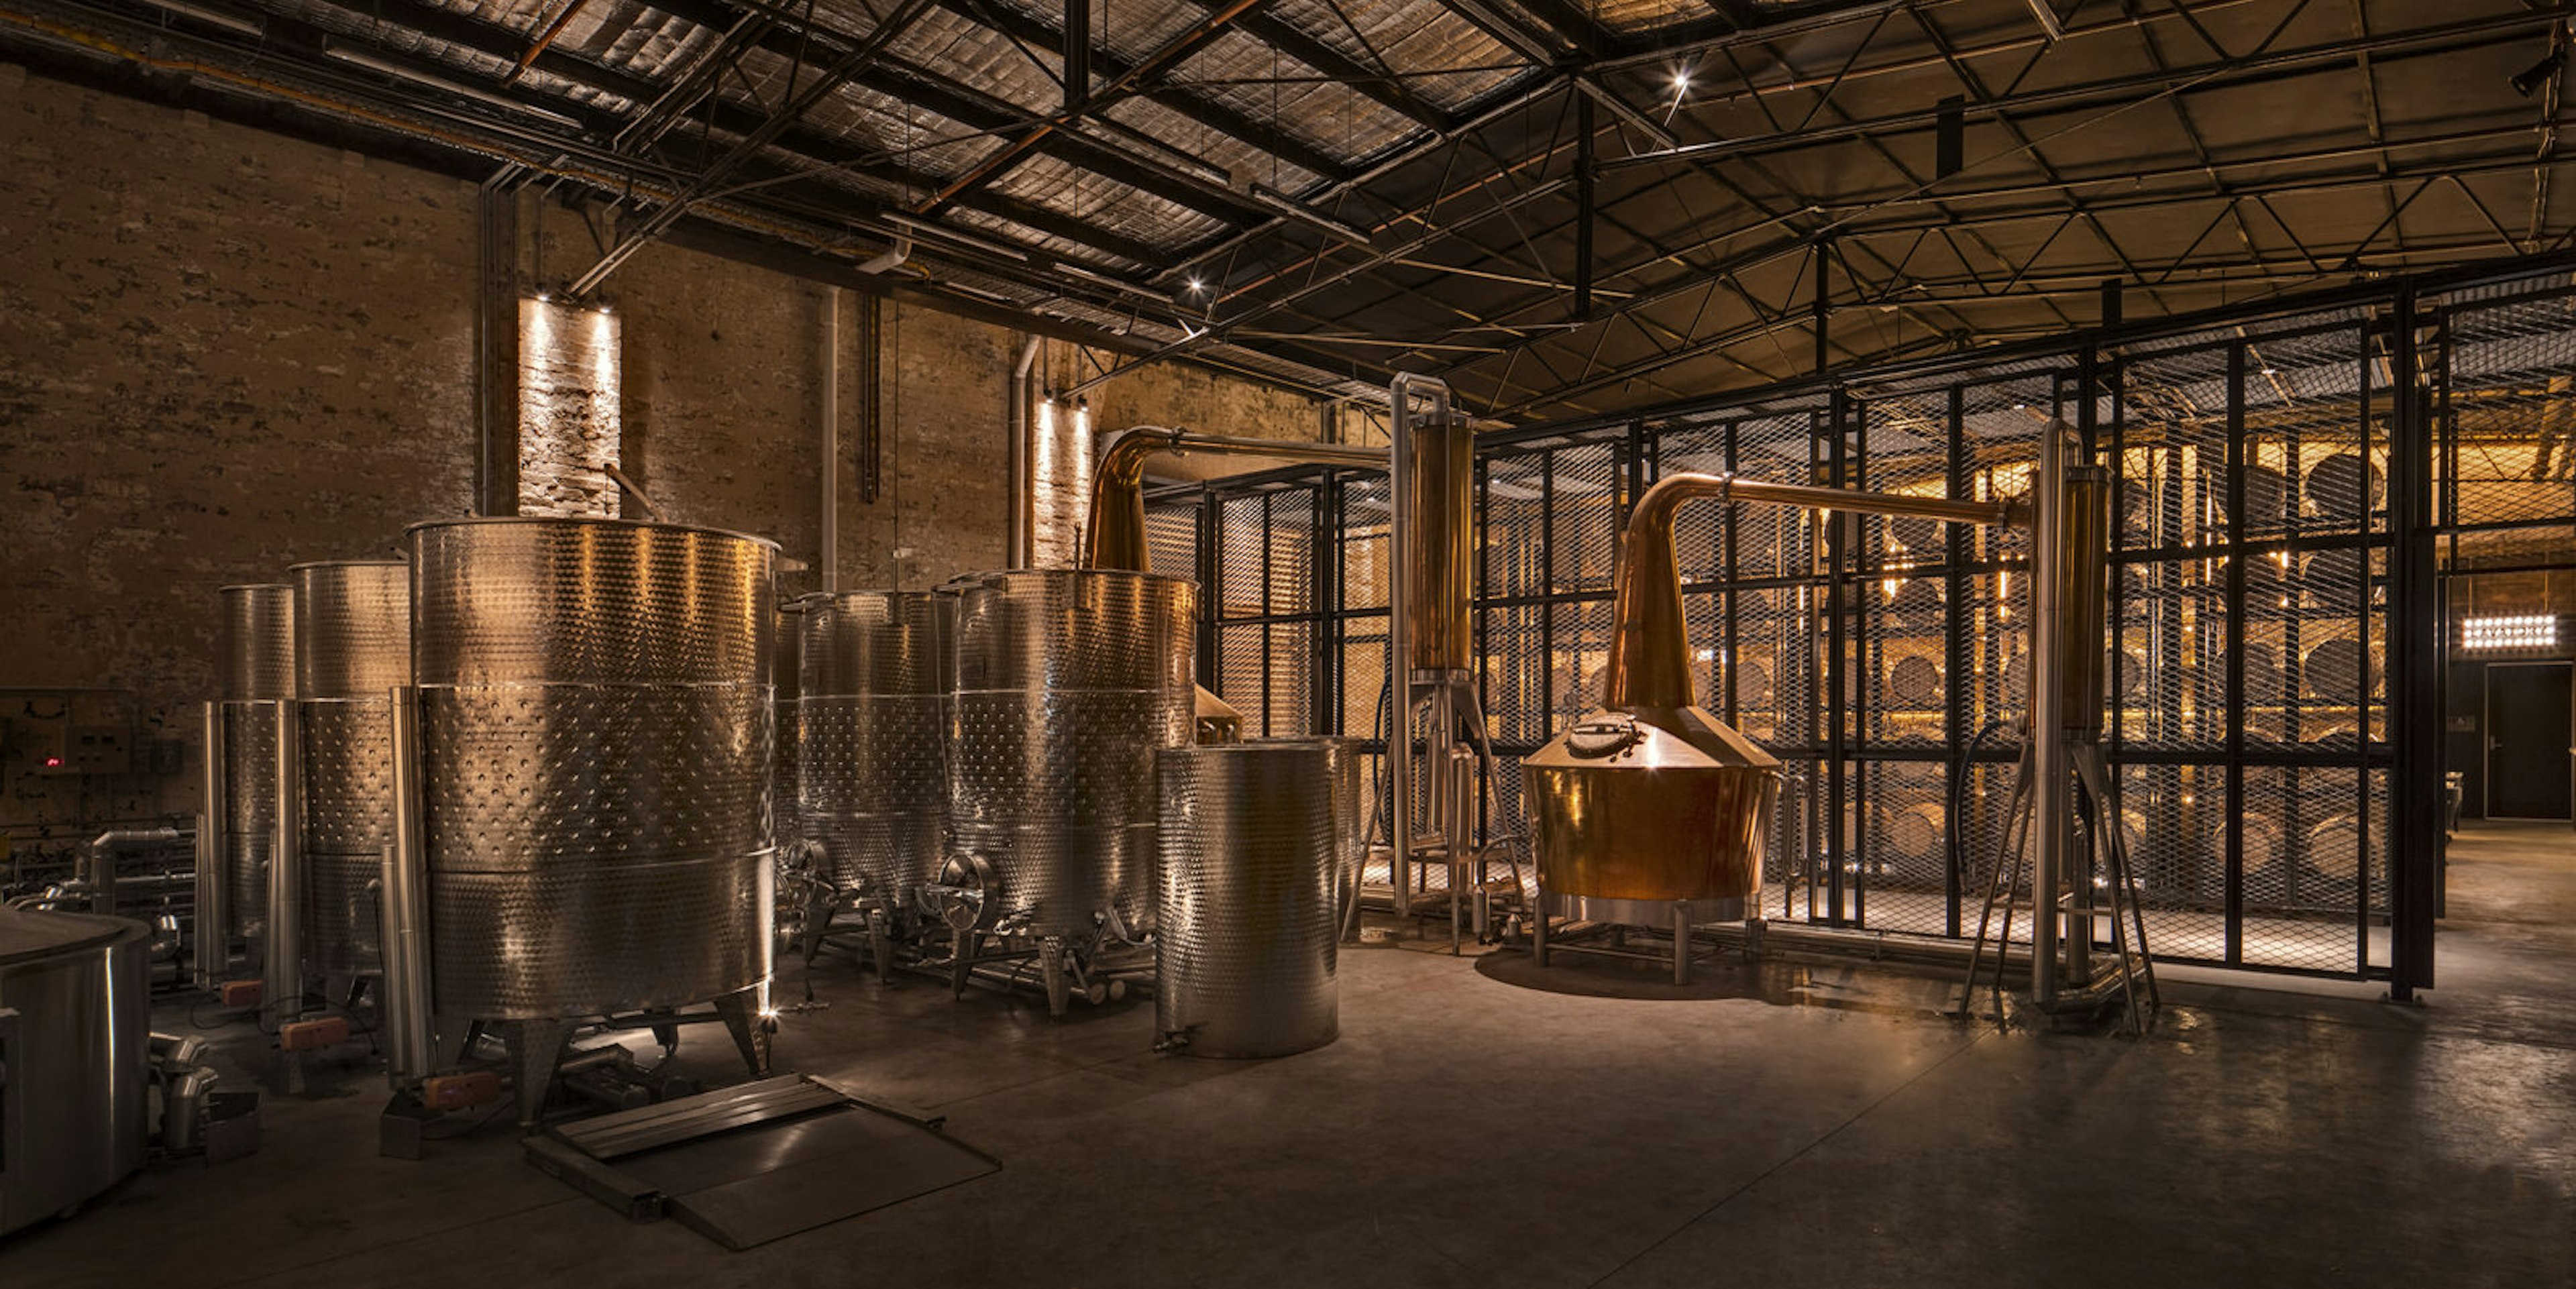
<point x="1649" y="799"/>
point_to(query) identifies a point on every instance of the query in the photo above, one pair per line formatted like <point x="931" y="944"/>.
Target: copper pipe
<point x="545" y="39"/>
<point x="1113" y="534"/>
<point x="1649" y="643"/>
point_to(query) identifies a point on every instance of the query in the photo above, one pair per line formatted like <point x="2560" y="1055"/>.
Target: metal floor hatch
<point x="750" y="1164"/>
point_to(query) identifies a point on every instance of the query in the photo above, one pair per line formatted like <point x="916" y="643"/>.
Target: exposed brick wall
<point x="221" y="352"/>
<point x="568" y="410"/>
<point x="224" y="351"/>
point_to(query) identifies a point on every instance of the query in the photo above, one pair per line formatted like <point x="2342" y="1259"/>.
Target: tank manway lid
<point x="32" y="935"/>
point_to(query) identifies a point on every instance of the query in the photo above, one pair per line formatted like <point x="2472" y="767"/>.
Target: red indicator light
<point x="53" y="763"/>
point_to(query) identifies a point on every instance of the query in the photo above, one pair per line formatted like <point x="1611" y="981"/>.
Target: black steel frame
<point x="1537" y="578"/>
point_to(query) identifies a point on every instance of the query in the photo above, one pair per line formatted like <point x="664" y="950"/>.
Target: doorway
<point x="2528" y="760"/>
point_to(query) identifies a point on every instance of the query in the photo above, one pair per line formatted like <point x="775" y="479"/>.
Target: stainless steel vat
<point x="872" y="781"/>
<point x="1252" y="841"/>
<point x="353" y="619"/>
<point x="258" y="674"/>
<point x="75" y="1058"/>
<point x="594" y="751"/>
<point x="1068" y="680"/>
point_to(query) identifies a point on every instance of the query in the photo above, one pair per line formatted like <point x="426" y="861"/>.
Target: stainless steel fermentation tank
<point x="594" y="746"/>
<point x="1651" y="811"/>
<point x="75" y="1058"/>
<point x="872" y="725"/>
<point x="238" y="829"/>
<point x="1254" y="843"/>
<point x="353" y="621"/>
<point x="1067" y="683"/>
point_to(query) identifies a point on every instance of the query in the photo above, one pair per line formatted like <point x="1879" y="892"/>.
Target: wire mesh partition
<point x="2263" y="569"/>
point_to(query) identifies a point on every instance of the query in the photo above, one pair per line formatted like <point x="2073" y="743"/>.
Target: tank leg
<point x="1059" y="985"/>
<point x="536" y="1047"/>
<point x="881" y="944"/>
<point x="750" y="1030"/>
<point x="1681" y="942"/>
<point x="1538" y="929"/>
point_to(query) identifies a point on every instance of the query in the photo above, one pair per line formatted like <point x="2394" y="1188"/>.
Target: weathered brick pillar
<point x="568" y="409"/>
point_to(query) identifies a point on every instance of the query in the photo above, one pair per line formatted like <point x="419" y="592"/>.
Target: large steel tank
<point x="1252" y="843"/>
<point x="1068" y="680"/>
<point x="595" y="762"/>
<point x="872" y="782"/>
<point x="353" y="619"/>
<point x="258" y="675"/>
<point x="75" y="1058"/>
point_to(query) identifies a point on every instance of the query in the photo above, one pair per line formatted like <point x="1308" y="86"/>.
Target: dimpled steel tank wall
<point x="595" y="745"/>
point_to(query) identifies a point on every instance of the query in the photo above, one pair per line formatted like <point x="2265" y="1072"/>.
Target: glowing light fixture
<point x="2490" y="635"/>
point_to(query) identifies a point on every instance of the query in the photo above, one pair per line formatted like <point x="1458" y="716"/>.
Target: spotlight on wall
<point x="2528" y="81"/>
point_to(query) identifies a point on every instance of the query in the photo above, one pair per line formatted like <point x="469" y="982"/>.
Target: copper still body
<point x="1650" y="810"/>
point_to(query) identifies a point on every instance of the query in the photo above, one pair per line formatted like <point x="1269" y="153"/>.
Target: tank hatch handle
<point x="1604" y="737"/>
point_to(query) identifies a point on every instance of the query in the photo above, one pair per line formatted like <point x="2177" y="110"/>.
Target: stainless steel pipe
<point x="213" y="939"/>
<point x="282" y="976"/>
<point x="2051" y="823"/>
<point x="410" y="1023"/>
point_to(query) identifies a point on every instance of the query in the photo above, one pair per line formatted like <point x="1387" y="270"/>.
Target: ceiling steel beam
<point x="2074" y="281"/>
<point x="2120" y="93"/>
<point x="1171" y="54"/>
<point x="849" y="64"/>
<point x="977" y="110"/>
<point x="1275" y="138"/>
<point x="2492" y="163"/>
<point x="803" y="148"/>
<point x="1297" y="43"/>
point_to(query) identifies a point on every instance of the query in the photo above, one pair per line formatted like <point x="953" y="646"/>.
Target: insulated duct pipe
<point x="99" y="866"/>
<point x="1113" y="534"/>
<point x="1023" y="523"/>
<point x="1649" y="665"/>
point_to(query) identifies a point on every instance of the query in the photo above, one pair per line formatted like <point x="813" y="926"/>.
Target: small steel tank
<point x="594" y="764"/>
<point x="1068" y="680"/>
<point x="76" y="1017"/>
<point x="354" y="621"/>
<point x="258" y="675"/>
<point x="1252" y="842"/>
<point x="872" y="716"/>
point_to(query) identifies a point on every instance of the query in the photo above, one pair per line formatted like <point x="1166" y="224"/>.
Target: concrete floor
<point x="1485" y="1123"/>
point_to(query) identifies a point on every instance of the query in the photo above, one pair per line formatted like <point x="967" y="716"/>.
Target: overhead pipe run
<point x="1020" y="536"/>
